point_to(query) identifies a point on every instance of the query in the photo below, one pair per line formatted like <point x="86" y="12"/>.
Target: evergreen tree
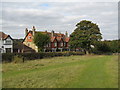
<point x="86" y="34"/>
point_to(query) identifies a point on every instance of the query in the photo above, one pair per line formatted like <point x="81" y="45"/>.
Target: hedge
<point x="9" y="57"/>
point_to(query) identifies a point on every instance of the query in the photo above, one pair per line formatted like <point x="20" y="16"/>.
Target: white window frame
<point x="29" y="37"/>
<point x="8" y="42"/>
<point x="64" y="43"/>
<point x="61" y="44"/>
<point x="55" y="44"/>
<point x="49" y="44"/>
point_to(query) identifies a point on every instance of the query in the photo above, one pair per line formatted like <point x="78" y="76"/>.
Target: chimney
<point x="26" y="31"/>
<point x="66" y="34"/>
<point x="60" y="34"/>
<point x="33" y="29"/>
<point x="46" y="31"/>
<point x="52" y="33"/>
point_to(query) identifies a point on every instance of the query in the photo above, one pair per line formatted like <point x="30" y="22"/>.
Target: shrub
<point x="18" y="57"/>
<point x="7" y="57"/>
<point x="102" y="48"/>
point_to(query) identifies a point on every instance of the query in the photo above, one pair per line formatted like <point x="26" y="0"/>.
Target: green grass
<point x="97" y="71"/>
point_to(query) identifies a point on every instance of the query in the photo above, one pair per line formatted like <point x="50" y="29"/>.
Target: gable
<point x="55" y="40"/>
<point x="59" y="39"/>
<point x="3" y="35"/>
<point x="29" y="37"/>
<point x="8" y="38"/>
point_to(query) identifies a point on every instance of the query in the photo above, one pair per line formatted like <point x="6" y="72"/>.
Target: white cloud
<point x="58" y="16"/>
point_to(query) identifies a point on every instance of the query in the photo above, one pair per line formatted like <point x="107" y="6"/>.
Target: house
<point x="6" y="43"/>
<point x="19" y="47"/>
<point x="58" y="41"/>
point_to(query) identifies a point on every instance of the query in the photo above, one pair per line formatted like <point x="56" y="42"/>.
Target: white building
<point x="6" y="43"/>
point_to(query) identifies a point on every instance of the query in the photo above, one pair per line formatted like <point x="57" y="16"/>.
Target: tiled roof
<point x="52" y="39"/>
<point x="67" y="39"/>
<point x="22" y="46"/>
<point x="49" y="33"/>
<point x="3" y="35"/>
<point x="57" y="36"/>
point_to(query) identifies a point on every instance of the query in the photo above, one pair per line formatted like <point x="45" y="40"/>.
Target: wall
<point x="29" y="42"/>
<point x="5" y="45"/>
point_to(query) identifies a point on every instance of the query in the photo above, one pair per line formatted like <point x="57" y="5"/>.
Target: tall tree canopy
<point x="85" y="35"/>
<point x="41" y="40"/>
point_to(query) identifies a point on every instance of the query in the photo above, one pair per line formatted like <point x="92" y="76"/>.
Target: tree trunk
<point x="86" y="51"/>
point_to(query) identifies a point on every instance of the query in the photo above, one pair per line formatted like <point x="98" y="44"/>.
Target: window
<point x="29" y="37"/>
<point x="61" y="44"/>
<point x="8" y="50"/>
<point x="49" y="44"/>
<point x="55" y="44"/>
<point x="8" y="42"/>
<point x="64" y="44"/>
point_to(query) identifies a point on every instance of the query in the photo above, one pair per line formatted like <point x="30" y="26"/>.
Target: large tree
<point x="41" y="40"/>
<point x="85" y="35"/>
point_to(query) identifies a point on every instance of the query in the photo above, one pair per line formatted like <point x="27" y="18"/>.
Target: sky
<point x="58" y="16"/>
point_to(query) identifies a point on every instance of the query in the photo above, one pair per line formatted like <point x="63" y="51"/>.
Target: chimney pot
<point x="26" y="31"/>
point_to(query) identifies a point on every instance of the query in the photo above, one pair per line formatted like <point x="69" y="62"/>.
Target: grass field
<point x="97" y="71"/>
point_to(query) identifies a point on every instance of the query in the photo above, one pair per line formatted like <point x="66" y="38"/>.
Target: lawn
<point x="87" y="71"/>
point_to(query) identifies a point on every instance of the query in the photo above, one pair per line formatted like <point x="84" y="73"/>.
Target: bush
<point x="102" y="48"/>
<point x="7" y="57"/>
<point x="107" y="47"/>
<point x="32" y="56"/>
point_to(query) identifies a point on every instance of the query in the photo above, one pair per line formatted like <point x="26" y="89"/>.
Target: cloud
<point x="58" y="16"/>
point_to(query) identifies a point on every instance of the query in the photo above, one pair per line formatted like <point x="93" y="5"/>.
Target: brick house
<point x="58" y="41"/>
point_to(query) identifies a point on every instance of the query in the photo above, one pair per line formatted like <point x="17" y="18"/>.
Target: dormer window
<point x="55" y="44"/>
<point x="29" y="37"/>
<point x="8" y="42"/>
<point x="61" y="44"/>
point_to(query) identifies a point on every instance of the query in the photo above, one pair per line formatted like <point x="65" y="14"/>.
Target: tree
<point x="41" y="40"/>
<point x="115" y="46"/>
<point x="86" y="34"/>
<point x="102" y="47"/>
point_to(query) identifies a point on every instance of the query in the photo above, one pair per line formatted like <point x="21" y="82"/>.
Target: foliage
<point x="7" y="57"/>
<point x="102" y="47"/>
<point x="115" y="45"/>
<point x="107" y="46"/>
<point x="17" y="42"/>
<point x="86" y="34"/>
<point x="32" y="56"/>
<point x="41" y="40"/>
